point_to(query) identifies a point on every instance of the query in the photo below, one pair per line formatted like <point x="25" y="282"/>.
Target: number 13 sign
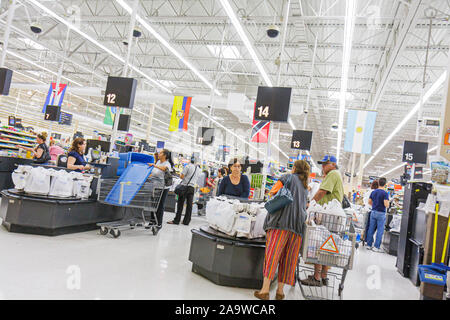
<point x="301" y="140"/>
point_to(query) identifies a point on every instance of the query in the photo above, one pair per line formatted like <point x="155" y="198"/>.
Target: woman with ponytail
<point x="284" y="232"/>
<point x="165" y="163"/>
<point x="41" y="153"/>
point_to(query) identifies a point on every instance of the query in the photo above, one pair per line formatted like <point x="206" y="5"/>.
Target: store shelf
<point x="8" y="147"/>
<point x="18" y="133"/>
<point x="17" y="138"/>
<point x="15" y="143"/>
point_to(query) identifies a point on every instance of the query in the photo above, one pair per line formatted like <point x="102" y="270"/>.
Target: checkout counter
<point x="7" y="166"/>
<point x="227" y="261"/>
<point x="48" y="215"/>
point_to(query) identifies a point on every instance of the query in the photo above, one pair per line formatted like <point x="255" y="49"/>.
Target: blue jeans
<point x="377" y="220"/>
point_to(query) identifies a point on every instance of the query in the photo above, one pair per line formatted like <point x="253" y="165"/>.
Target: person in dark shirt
<point x="41" y="152"/>
<point x="379" y="200"/>
<point x="75" y="158"/>
<point x="236" y="184"/>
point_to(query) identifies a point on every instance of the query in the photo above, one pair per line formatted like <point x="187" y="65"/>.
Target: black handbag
<point x="181" y="189"/>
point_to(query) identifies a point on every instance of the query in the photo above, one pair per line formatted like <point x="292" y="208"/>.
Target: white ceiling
<point x="386" y="67"/>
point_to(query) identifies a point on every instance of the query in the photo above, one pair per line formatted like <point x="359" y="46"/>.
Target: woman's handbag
<point x="282" y="199"/>
<point x="181" y="189"/>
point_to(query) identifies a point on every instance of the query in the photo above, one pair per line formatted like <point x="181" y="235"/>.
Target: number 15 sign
<point x="120" y="92"/>
<point x="273" y="104"/>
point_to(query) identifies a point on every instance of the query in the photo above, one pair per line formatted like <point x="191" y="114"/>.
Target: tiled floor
<point x="139" y="265"/>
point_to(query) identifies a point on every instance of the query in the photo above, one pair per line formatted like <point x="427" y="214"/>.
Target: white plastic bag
<point x="225" y="219"/>
<point x="243" y="223"/>
<point x="257" y="230"/>
<point x="38" y="181"/>
<point x="62" y="184"/>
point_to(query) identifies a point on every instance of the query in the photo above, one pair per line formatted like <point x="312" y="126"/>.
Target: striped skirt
<point x="282" y="251"/>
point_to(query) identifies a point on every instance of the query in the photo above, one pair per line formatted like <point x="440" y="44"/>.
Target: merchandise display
<point x="206" y="149"/>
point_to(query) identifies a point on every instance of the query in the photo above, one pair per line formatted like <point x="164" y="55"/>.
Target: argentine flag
<point x="359" y="134"/>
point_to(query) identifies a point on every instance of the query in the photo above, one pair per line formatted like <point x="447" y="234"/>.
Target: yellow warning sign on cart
<point x="330" y="245"/>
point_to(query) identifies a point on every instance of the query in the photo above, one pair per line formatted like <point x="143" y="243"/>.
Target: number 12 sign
<point x="120" y="92"/>
<point x="273" y="104"/>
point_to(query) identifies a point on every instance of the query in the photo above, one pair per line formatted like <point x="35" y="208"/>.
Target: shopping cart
<point x="204" y="195"/>
<point x="140" y="208"/>
<point x="328" y="240"/>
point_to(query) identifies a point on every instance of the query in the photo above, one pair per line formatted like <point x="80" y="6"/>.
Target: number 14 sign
<point x="273" y="104"/>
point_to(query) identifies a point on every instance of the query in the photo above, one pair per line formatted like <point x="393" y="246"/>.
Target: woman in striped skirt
<point x="284" y="230"/>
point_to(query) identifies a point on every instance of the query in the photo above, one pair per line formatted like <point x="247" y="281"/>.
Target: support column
<point x="361" y="169"/>
<point x="150" y="121"/>
<point x="444" y="143"/>
<point x="125" y="71"/>
<point x="11" y="10"/>
<point x="352" y="170"/>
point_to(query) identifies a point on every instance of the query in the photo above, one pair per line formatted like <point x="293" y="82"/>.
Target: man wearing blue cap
<point x="331" y="188"/>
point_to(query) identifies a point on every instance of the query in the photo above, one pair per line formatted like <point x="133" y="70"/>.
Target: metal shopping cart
<point x="204" y="195"/>
<point x="329" y="240"/>
<point x="140" y="206"/>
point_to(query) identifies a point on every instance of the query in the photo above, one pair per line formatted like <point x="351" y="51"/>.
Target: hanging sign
<point x="205" y="136"/>
<point x="120" y="92"/>
<point x="273" y="104"/>
<point x="301" y="140"/>
<point x="415" y="152"/>
<point x="52" y="113"/>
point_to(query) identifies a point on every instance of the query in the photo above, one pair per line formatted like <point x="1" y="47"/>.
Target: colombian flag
<point x="180" y="113"/>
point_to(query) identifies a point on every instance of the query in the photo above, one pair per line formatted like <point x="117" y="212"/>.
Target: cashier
<point x="236" y="184"/>
<point x="75" y="158"/>
<point x="41" y="153"/>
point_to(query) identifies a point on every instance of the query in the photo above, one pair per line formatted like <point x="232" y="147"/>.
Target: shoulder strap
<point x="193" y="173"/>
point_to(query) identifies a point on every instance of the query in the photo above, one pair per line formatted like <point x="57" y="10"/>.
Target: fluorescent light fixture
<point x="410" y="114"/>
<point x="291" y="124"/>
<point x="337" y="96"/>
<point x="228" y="52"/>
<point x="432" y="149"/>
<point x="237" y="25"/>
<point x="166" y="44"/>
<point x="41" y="67"/>
<point x="347" y="49"/>
<point x="89" y="38"/>
<point x="31" y="43"/>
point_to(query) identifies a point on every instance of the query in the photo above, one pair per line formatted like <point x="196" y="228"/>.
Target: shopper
<point x="331" y="188"/>
<point x="379" y="200"/>
<point x="189" y="175"/>
<point x="236" y="184"/>
<point x="284" y="232"/>
<point x="220" y="174"/>
<point x="164" y="163"/>
<point x="75" y="158"/>
<point x="41" y="153"/>
<point x="55" y="150"/>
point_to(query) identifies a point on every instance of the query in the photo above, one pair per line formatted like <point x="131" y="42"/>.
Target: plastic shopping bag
<point x="225" y="219"/>
<point x="243" y="223"/>
<point x="62" y="184"/>
<point x="39" y="181"/>
<point x="258" y="227"/>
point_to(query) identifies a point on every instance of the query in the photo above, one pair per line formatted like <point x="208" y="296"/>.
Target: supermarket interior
<point x="224" y="150"/>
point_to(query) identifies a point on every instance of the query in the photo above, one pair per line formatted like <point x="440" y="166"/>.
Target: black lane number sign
<point x="415" y="152"/>
<point x="120" y="92"/>
<point x="273" y="104"/>
<point x="52" y="113"/>
<point x="301" y="140"/>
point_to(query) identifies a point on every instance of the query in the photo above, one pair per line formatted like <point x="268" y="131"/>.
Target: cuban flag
<point x="55" y="98"/>
<point x="180" y="113"/>
<point x="359" y="134"/>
